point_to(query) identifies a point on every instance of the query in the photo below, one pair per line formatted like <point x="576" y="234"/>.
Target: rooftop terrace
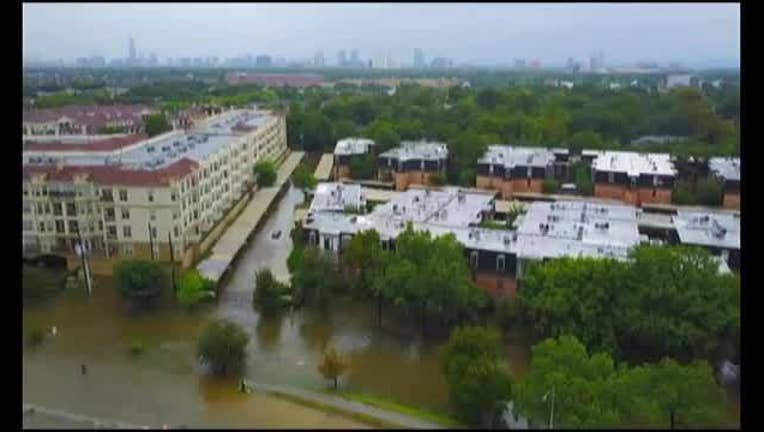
<point x="714" y="229"/>
<point x="353" y="146"/>
<point x="726" y="168"/>
<point x="510" y="156"/>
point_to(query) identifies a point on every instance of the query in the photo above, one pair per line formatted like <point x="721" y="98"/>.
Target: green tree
<point x="317" y="132"/>
<point x="479" y="385"/>
<point x="363" y="167"/>
<point x="680" y="395"/>
<point x="141" y="281"/>
<point x="157" y="124"/>
<point x="561" y="368"/>
<point x="385" y="138"/>
<point x="585" y="140"/>
<point x="367" y="262"/>
<point x="709" y="192"/>
<point x="266" y="173"/>
<point x="222" y="346"/>
<point x="303" y="178"/>
<point x="314" y="278"/>
<point x="270" y="295"/>
<point x="488" y="98"/>
<point x="194" y="288"/>
<point x="333" y="365"/>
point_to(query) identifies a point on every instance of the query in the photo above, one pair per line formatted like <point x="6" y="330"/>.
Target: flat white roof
<point x="632" y="163"/>
<point x="562" y="228"/>
<point x="727" y="168"/>
<point x="714" y="229"/>
<point x="428" y="150"/>
<point x="352" y="146"/>
<point x="510" y="156"/>
<point x="336" y="196"/>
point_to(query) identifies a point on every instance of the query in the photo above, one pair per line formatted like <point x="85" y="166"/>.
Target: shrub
<point x="35" y="337"/>
<point x="550" y="186"/>
<point x="437" y="179"/>
<point x="333" y="365"/>
<point x="270" y="295"/>
<point x="137" y="347"/>
<point x="194" y="288"/>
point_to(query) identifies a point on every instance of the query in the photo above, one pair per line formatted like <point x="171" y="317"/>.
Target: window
<point x="42" y="226"/>
<point x="173" y="196"/>
<point x="123" y="194"/>
<point x="57" y="209"/>
<point x="128" y="249"/>
<point x="59" y="226"/>
<point x="111" y="231"/>
<point x="106" y="195"/>
<point x="47" y="208"/>
<point x="327" y="243"/>
<point x="175" y="215"/>
<point x="125" y="213"/>
<point x="500" y="263"/>
<point x="153" y="215"/>
<point x="127" y="232"/>
<point x="611" y="177"/>
<point x="474" y="259"/>
<point x="176" y="231"/>
<point x="26" y="208"/>
<point x="39" y="209"/>
<point x="151" y="196"/>
<point x="71" y="209"/>
<point x="73" y="226"/>
<point x="154" y="232"/>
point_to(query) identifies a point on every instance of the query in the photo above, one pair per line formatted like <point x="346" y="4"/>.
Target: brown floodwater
<point x="165" y="385"/>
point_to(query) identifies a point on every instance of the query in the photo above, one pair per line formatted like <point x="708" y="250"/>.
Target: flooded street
<point x="166" y="386"/>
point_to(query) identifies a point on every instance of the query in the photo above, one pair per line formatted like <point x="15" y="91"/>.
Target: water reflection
<point x="268" y="331"/>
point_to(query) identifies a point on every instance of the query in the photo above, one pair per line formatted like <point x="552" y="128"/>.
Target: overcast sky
<point x="478" y="33"/>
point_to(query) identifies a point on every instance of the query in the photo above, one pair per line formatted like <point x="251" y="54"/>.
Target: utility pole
<point x="85" y="264"/>
<point x="172" y="261"/>
<point x="151" y="241"/>
<point x="551" y="411"/>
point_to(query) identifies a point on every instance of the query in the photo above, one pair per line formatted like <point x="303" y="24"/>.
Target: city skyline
<point x="705" y="34"/>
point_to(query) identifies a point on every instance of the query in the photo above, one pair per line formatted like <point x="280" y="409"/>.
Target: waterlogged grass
<point x="362" y="418"/>
<point x="390" y="405"/>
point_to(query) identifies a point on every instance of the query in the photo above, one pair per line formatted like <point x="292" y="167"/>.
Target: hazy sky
<point x="479" y="33"/>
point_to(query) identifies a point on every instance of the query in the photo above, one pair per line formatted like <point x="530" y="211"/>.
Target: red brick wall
<point x="731" y="200"/>
<point x="497" y="285"/>
<point x="662" y="196"/>
<point x="521" y="185"/>
<point x="405" y="179"/>
<point x="485" y="182"/>
<point x="611" y="191"/>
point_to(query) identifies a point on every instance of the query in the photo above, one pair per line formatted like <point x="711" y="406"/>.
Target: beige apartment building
<point x="133" y="198"/>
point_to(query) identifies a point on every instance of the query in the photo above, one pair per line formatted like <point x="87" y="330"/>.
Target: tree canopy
<point x="668" y="301"/>
<point x="222" y="346"/>
<point x="141" y="281"/>
<point x="591" y="391"/>
<point x="266" y="173"/>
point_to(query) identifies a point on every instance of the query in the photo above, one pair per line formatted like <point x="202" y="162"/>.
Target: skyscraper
<point x="419" y="58"/>
<point x="342" y="59"/>
<point x="132" y="49"/>
<point x="354" y="57"/>
<point x="318" y="59"/>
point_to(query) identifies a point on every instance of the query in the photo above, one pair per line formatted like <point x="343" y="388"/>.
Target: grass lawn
<point x="389" y="405"/>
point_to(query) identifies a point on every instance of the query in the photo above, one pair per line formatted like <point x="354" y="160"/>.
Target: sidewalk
<point x="235" y="237"/>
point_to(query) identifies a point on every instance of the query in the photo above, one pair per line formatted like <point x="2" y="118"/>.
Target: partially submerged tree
<point x="141" y="281"/>
<point x="266" y="173"/>
<point x="333" y="365"/>
<point x="222" y="346"/>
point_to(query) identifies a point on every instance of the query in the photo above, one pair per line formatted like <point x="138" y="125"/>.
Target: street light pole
<point x="551" y="413"/>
